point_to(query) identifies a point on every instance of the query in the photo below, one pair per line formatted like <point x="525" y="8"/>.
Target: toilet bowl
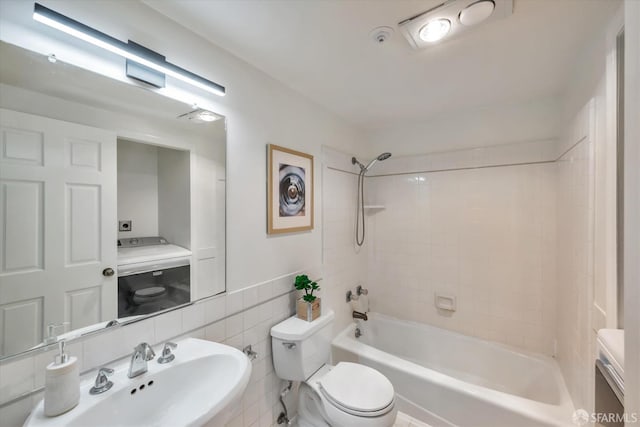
<point x="347" y="394"/>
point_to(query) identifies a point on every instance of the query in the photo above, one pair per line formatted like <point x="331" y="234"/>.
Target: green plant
<point x="303" y="283"/>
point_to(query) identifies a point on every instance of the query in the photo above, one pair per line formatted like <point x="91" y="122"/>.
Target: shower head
<point x="363" y="168"/>
<point x="383" y="156"/>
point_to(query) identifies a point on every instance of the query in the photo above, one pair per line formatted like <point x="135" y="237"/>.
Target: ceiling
<point x="322" y="49"/>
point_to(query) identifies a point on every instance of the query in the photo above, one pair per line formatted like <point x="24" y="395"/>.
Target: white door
<point x="57" y="227"/>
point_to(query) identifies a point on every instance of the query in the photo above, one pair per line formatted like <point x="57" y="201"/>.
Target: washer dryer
<point x="153" y="275"/>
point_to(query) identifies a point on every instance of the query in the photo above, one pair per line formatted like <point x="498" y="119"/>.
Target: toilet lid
<point x="357" y="387"/>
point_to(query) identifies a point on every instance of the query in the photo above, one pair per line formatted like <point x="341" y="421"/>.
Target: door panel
<point x="22" y="233"/>
<point x="83" y="233"/>
<point x="58" y="223"/>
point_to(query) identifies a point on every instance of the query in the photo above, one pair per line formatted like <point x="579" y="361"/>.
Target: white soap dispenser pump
<point x="62" y="383"/>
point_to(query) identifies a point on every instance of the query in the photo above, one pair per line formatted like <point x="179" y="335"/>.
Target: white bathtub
<point x="445" y="378"/>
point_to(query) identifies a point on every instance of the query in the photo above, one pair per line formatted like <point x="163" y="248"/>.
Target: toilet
<point x="347" y="394"/>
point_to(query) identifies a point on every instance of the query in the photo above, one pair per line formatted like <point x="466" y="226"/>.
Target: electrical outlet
<point x="124" y="225"/>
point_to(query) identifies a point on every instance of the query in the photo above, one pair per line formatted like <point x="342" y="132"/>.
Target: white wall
<point x="576" y="355"/>
<point x="632" y="208"/>
<point x="138" y="188"/>
<point x="259" y="110"/>
<point x="344" y="265"/>
<point x="493" y="125"/>
<point x="586" y="214"/>
<point x="174" y="196"/>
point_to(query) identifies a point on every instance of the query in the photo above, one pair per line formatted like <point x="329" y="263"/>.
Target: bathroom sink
<point x="193" y="390"/>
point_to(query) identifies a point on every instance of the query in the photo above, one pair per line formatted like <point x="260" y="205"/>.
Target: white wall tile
<point x="215" y="309"/>
<point x="234" y="302"/>
<point x="575" y="268"/>
<point x="101" y="349"/>
<point x="16" y="378"/>
<point x="250" y="297"/>
<point x="168" y="325"/>
<point x="234" y="324"/>
<point x="139" y="332"/>
<point x="477" y="234"/>
<point x="193" y="316"/>
<point x="216" y="331"/>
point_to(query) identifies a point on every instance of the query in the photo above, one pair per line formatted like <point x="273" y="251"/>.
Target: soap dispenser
<point x="62" y="383"/>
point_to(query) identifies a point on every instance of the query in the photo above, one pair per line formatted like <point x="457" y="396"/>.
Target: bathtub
<point x="449" y="379"/>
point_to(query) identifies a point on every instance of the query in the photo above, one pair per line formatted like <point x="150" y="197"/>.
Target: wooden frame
<point x="290" y="202"/>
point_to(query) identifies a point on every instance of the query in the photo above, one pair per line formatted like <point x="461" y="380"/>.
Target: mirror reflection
<point x="112" y="202"/>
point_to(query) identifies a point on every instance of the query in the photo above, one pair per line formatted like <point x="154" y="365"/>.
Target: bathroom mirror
<point x="112" y="202"/>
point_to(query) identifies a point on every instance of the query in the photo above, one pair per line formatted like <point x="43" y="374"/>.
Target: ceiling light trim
<point x="450" y="10"/>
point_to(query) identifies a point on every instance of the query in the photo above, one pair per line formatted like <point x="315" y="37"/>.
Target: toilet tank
<point x="300" y="348"/>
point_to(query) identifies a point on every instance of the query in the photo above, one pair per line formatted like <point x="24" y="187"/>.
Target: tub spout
<point x="359" y="315"/>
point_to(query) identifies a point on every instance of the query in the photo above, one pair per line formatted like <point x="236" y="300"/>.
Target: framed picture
<point x="290" y="190"/>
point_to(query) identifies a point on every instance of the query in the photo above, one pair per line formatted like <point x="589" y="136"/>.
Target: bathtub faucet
<point x="359" y="315"/>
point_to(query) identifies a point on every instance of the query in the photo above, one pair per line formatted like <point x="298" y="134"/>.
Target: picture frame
<point x="290" y="201"/>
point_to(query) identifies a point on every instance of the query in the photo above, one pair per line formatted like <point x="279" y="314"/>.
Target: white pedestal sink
<point x="194" y="390"/>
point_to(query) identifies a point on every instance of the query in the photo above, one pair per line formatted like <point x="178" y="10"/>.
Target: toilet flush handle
<point x="289" y="345"/>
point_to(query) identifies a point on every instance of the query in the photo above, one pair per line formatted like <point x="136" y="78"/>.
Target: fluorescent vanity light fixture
<point x="435" y="30"/>
<point x="83" y="32"/>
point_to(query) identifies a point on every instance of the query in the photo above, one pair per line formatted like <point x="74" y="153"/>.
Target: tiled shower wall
<point x="344" y="264"/>
<point x="237" y="319"/>
<point x="575" y="189"/>
<point x="485" y="235"/>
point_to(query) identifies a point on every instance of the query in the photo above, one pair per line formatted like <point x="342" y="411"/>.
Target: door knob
<point x="108" y="272"/>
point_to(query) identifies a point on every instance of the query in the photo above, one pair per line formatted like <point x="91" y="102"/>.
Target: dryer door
<point x="152" y="291"/>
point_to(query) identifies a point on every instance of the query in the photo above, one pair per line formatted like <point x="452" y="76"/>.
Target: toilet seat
<point x="357" y="390"/>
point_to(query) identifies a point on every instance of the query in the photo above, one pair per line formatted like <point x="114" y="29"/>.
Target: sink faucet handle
<point x="146" y="351"/>
<point x="103" y="373"/>
<point x="167" y="356"/>
<point x="102" y="383"/>
<point x="168" y="346"/>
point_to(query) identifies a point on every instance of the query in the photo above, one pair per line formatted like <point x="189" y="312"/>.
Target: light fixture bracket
<point x="449" y="10"/>
<point x="142" y="73"/>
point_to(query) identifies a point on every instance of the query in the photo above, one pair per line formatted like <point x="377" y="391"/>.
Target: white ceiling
<point x="322" y="49"/>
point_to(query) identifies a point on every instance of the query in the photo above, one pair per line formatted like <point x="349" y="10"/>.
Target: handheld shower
<point x="360" y="199"/>
<point x="383" y="156"/>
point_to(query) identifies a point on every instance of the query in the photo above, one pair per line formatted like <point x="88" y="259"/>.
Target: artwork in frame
<point x="289" y="191"/>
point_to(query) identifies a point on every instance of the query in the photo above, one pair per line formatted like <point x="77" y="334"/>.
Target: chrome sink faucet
<point x="142" y="353"/>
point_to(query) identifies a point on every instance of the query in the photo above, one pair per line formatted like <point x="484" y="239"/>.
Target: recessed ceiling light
<point x="208" y="116"/>
<point x="435" y="30"/>
<point x="476" y="12"/>
<point x="200" y="116"/>
<point x="452" y="19"/>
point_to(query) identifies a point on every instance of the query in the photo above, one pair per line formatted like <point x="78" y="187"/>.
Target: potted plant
<point x="309" y="305"/>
